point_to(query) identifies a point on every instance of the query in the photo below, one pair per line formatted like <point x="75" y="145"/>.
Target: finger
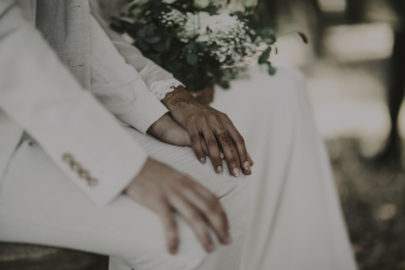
<point x="194" y="218"/>
<point x="239" y="143"/>
<point x="196" y="142"/>
<point x="251" y="160"/>
<point x="170" y="227"/>
<point x="204" y="147"/>
<point x="230" y="152"/>
<point x="213" y="148"/>
<point x="211" y="208"/>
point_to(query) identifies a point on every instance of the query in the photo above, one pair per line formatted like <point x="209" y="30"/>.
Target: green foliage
<point x="190" y="61"/>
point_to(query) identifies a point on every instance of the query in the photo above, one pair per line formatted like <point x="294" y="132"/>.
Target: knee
<point x="153" y="255"/>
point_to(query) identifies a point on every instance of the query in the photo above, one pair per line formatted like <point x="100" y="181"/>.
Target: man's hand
<point x="211" y="132"/>
<point x="176" y="192"/>
<point x="169" y="131"/>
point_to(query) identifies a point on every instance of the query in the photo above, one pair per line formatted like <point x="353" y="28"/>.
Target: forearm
<point x="179" y="97"/>
<point x="78" y="134"/>
<point x="158" y="80"/>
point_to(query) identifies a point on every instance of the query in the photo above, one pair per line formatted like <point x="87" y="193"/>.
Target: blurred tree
<point x="396" y="87"/>
<point x="355" y="10"/>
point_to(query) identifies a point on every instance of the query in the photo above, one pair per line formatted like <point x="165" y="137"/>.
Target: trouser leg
<point x="38" y="204"/>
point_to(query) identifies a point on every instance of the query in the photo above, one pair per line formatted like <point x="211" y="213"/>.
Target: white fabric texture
<point x="118" y="86"/>
<point x="285" y="216"/>
<point x="37" y="94"/>
<point x="159" y="81"/>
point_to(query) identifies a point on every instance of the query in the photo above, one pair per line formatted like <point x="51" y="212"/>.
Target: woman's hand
<point x="176" y="192"/>
<point x="211" y="132"/>
<point x="169" y="131"/>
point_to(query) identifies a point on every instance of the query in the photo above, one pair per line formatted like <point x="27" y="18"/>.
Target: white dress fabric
<point x="285" y="216"/>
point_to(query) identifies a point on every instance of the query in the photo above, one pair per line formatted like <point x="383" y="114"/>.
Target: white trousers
<point x="285" y="216"/>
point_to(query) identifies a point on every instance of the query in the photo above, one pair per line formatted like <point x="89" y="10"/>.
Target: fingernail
<point x="247" y="172"/>
<point x="202" y="160"/>
<point x="221" y="155"/>
<point x="236" y="172"/>
<point x="173" y="250"/>
<point x="246" y="165"/>
<point x="219" y="169"/>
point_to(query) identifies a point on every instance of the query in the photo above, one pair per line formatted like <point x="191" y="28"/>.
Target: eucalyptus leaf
<point x="159" y="47"/>
<point x="152" y="40"/>
<point x="270" y="69"/>
<point x="265" y="56"/>
<point x="191" y="59"/>
<point x="141" y="32"/>
<point x="150" y="29"/>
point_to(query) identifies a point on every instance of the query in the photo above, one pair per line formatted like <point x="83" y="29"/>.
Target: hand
<point x="169" y="131"/>
<point x="176" y="192"/>
<point x="211" y="132"/>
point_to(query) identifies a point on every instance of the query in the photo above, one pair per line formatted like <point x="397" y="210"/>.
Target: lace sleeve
<point x="162" y="87"/>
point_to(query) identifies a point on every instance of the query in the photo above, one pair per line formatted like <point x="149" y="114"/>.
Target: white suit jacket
<point x="68" y="103"/>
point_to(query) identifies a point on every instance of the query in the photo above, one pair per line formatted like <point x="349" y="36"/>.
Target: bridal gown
<point x="285" y="216"/>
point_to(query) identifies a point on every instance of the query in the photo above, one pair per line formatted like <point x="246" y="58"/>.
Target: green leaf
<point x="265" y="56"/>
<point x="191" y="59"/>
<point x="141" y="32"/>
<point x="152" y="40"/>
<point x="142" y="46"/>
<point x="150" y="29"/>
<point x="159" y="47"/>
<point x="267" y="35"/>
<point x="167" y="44"/>
<point x="271" y="70"/>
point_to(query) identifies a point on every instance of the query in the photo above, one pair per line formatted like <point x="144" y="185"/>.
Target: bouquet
<point x="200" y="41"/>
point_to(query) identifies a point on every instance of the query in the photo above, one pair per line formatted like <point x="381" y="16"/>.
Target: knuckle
<point x="194" y="137"/>
<point x="226" y="117"/>
<point x="212" y="118"/>
<point x="216" y="159"/>
<point x="233" y="161"/>
<point x="212" y="142"/>
<point x="240" y="139"/>
<point x="190" y="121"/>
<point x="161" y="201"/>
<point x="201" y="118"/>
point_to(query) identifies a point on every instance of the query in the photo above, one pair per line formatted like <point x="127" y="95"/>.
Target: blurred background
<point x="355" y="63"/>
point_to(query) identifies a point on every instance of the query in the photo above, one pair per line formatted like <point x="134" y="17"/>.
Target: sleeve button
<point x="83" y="173"/>
<point x="92" y="182"/>
<point x="67" y="157"/>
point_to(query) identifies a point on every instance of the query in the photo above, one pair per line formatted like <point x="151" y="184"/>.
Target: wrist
<point x="178" y="98"/>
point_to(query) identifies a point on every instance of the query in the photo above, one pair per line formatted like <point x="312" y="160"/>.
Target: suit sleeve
<point x="158" y="80"/>
<point x="80" y="136"/>
<point x="118" y="86"/>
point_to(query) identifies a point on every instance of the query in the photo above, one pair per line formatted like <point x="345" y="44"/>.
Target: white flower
<point x="173" y="17"/>
<point x="202" y="3"/>
<point x="250" y="3"/>
<point x="225" y="35"/>
<point x="205" y="25"/>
